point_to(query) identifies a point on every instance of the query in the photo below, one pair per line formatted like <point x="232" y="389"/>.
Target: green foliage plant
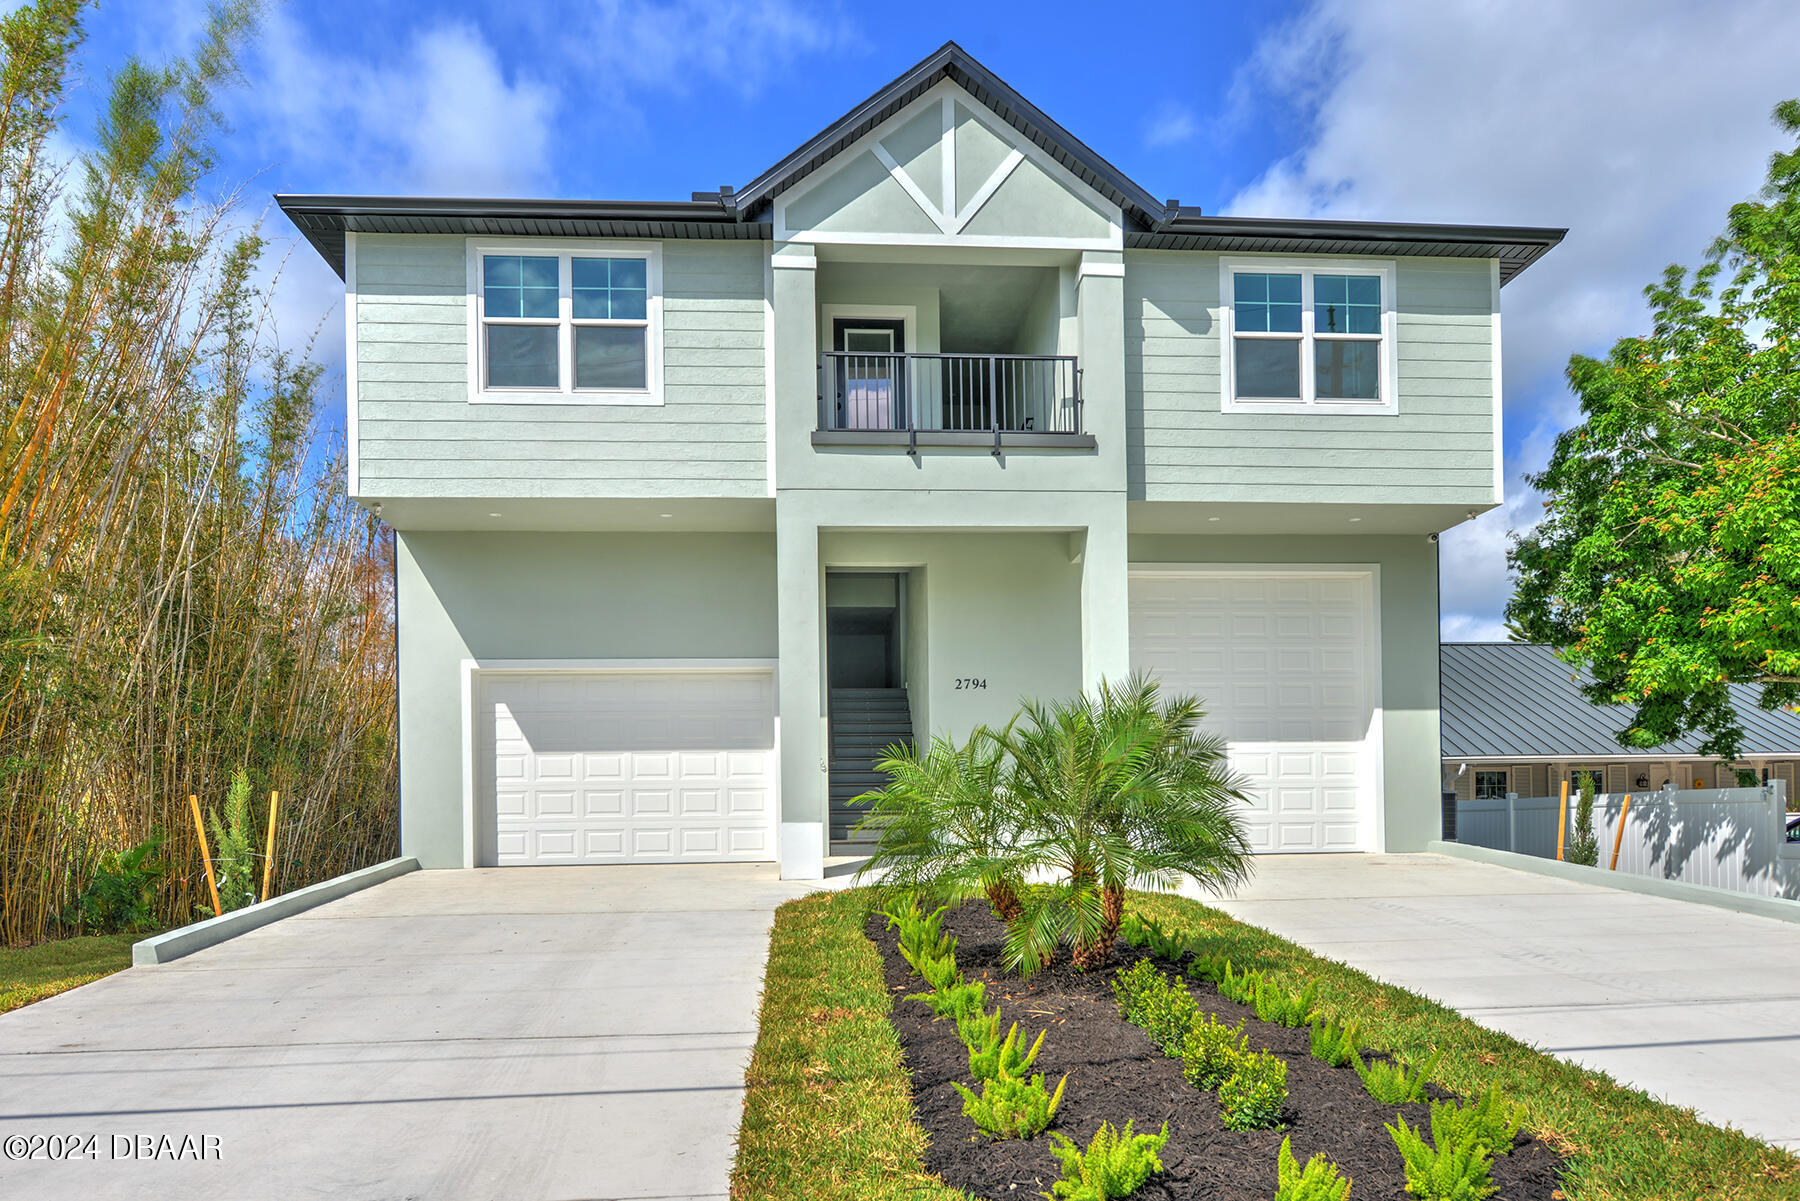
<point x="1337" y="1045"/>
<point x="1667" y="560"/>
<point x="1115" y="1164"/>
<point x="1454" y="1166"/>
<point x="1211" y="1052"/>
<point x="958" y="1000"/>
<point x="1161" y="1006"/>
<point x="1210" y="968"/>
<point x="1114" y="789"/>
<point x="1010" y="1107"/>
<point x="1392" y="1082"/>
<point x="1004" y="1057"/>
<point x="1132" y="986"/>
<point x="1276" y="1004"/>
<point x="920" y="935"/>
<point x="1492" y="1121"/>
<point x="944" y="824"/>
<point x="234" y="845"/>
<point x="1144" y="932"/>
<point x="120" y="897"/>
<point x="940" y="972"/>
<point x="1319" y="1180"/>
<point x="1584" y="844"/>
<point x="1240" y="988"/>
<point x="1255" y="1093"/>
<point x="979" y="1030"/>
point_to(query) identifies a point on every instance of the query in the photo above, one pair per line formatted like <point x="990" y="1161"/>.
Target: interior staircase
<point x="864" y="723"/>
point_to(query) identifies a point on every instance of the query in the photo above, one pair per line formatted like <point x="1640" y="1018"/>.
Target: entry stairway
<point x="864" y="723"/>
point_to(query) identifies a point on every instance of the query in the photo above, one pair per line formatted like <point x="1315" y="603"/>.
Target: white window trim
<point x="1387" y="369"/>
<point x="563" y="249"/>
<point x="1475" y="782"/>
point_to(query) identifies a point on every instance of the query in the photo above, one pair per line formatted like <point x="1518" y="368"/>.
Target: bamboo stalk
<point x="1562" y="820"/>
<point x="269" y="854"/>
<point x="1619" y="834"/>
<point x="212" y="885"/>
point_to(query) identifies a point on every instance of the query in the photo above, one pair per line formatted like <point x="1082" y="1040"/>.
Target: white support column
<point x="1105" y="596"/>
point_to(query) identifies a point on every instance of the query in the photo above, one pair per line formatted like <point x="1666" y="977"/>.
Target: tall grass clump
<point x="186" y="591"/>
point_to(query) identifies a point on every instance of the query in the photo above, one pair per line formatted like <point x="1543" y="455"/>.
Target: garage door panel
<point x="1281" y="662"/>
<point x="597" y="767"/>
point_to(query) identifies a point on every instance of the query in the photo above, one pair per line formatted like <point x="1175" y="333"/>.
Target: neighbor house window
<point x="1490" y="785"/>
<point x="1307" y="336"/>
<point x="566" y="324"/>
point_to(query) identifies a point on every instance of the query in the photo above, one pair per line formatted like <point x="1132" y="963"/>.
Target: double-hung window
<point x="1311" y="336"/>
<point x="564" y="324"/>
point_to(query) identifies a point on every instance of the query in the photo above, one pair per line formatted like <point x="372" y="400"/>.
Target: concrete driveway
<point x="1696" y="1005"/>
<point x="546" y="1033"/>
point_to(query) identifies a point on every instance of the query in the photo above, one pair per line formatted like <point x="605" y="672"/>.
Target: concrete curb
<point x="185" y="940"/>
<point x="1695" y="894"/>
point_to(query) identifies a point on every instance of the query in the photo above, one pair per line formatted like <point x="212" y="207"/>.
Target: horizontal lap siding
<point x="1438" y="448"/>
<point x="420" y="436"/>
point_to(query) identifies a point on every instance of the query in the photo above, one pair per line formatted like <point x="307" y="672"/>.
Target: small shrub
<point x="121" y="895"/>
<point x="1584" y="845"/>
<point x="1132" y="931"/>
<point x="1253" y="1096"/>
<point x="960" y="1000"/>
<point x="1492" y="1121"/>
<point x="1132" y="986"/>
<point x="1239" y="988"/>
<point x="1210" y="968"/>
<point x="1317" y="1181"/>
<point x="1336" y="1045"/>
<point x="1276" y="1004"/>
<point x="1161" y="945"/>
<point x="1008" y="1107"/>
<point x="1391" y="1082"/>
<point x="1211" y="1052"/>
<point x="1161" y="1006"/>
<point x="1004" y="1057"/>
<point x="980" y="1030"/>
<point x="921" y="935"/>
<point x="234" y="845"/>
<point x="938" y="971"/>
<point x="1115" y="1164"/>
<point x="1451" y="1168"/>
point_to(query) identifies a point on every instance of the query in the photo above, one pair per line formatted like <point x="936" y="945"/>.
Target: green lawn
<point x="30" y="974"/>
<point x="826" y="1112"/>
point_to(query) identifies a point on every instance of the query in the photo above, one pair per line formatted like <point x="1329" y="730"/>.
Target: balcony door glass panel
<point x="871" y="374"/>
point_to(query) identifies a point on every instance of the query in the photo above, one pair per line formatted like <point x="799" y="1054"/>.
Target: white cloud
<point x="1635" y="124"/>
<point x="672" y="46"/>
<point x="1172" y="124"/>
<point x="440" y="115"/>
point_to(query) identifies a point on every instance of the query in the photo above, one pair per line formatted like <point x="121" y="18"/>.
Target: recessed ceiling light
<point x="665" y="514"/>
<point x="1356" y="519"/>
<point x="493" y="514"/>
<point x="1212" y="518"/>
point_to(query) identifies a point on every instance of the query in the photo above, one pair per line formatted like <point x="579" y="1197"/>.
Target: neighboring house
<point x="700" y="503"/>
<point x="1514" y="720"/>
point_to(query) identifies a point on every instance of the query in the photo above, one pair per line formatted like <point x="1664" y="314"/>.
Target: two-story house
<point x="699" y="503"/>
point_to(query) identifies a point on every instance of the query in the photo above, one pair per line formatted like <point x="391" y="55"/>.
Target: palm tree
<point x="942" y="823"/>
<point x="1113" y="789"/>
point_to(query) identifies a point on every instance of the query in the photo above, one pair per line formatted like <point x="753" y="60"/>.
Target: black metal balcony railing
<point x="950" y="393"/>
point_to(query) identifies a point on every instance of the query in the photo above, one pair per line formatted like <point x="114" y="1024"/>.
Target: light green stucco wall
<point x="1439" y="448"/>
<point x="419" y="436"/>
<point x="1407" y="587"/>
<point x="553" y="596"/>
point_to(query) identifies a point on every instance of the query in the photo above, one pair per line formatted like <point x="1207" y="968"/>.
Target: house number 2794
<point x="965" y="682"/>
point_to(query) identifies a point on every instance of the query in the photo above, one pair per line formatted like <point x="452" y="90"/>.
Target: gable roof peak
<point x="950" y="61"/>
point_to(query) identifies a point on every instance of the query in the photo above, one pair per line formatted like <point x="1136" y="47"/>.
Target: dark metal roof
<point x="1517" y="247"/>
<point x="325" y="219"/>
<point x="1516" y="699"/>
<point x="952" y="62"/>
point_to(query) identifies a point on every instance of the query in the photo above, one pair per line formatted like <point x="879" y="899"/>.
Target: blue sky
<point x="1633" y="123"/>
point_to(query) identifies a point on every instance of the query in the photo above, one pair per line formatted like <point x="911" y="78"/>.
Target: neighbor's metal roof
<point x="1505" y="699"/>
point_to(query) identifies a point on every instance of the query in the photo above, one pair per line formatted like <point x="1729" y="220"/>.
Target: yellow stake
<point x="1619" y="835"/>
<point x="212" y="885"/>
<point x="269" y="855"/>
<point x="1562" y="820"/>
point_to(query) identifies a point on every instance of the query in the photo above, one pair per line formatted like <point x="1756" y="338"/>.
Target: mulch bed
<point x="1115" y="1074"/>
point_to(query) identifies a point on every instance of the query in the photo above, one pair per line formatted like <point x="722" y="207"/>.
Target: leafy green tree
<point x="1114" y="789"/>
<point x="1667" y="562"/>
<point x="942" y="824"/>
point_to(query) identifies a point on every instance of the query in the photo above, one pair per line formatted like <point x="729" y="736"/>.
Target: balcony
<point x="915" y="399"/>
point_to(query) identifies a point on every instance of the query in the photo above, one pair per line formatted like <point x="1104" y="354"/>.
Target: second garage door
<point x="626" y="767"/>
<point x="1284" y="664"/>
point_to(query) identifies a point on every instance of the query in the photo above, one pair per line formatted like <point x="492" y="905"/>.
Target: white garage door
<point x="627" y="767"/>
<point x="1284" y="666"/>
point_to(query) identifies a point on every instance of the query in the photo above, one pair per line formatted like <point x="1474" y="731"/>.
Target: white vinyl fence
<point x="1732" y="838"/>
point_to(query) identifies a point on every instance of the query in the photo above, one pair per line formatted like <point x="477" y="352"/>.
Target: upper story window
<point x="577" y="324"/>
<point x="1307" y="336"/>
